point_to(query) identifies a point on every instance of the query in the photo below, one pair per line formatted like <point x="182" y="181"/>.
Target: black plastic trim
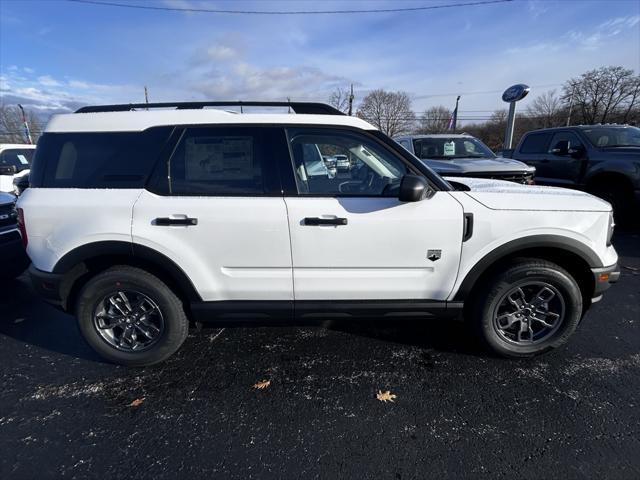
<point x="309" y="310"/>
<point x="298" y="107"/>
<point x="534" y="241"/>
<point x="467" y="227"/>
<point x="601" y="286"/>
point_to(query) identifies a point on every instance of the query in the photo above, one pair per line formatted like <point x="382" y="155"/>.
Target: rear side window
<point x="98" y="160"/>
<point x="536" y="143"/>
<point x="220" y="161"/>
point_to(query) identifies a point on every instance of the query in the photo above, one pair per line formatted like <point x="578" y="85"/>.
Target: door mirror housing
<point x="413" y="188"/>
<point x="561" y="148"/>
<point x="8" y="170"/>
<point x="577" y="151"/>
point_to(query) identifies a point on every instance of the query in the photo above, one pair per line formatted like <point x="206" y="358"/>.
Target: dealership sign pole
<point x="512" y="95"/>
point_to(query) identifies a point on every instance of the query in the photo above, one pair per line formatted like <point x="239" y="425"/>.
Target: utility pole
<point x="573" y="88"/>
<point x="146" y="95"/>
<point x="289" y="102"/>
<point x="351" y="101"/>
<point x="27" y="133"/>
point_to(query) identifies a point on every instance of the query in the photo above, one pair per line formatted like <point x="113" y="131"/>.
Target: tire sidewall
<point x="518" y="276"/>
<point x="109" y="282"/>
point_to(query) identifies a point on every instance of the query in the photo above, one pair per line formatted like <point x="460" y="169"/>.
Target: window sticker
<point x="211" y="158"/>
<point x="449" y="148"/>
<point x="23" y="159"/>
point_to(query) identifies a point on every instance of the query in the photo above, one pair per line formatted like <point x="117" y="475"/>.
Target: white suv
<point x="140" y="218"/>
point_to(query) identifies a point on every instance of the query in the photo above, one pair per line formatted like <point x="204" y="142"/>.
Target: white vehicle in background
<point x="141" y="217"/>
<point x="15" y="161"/>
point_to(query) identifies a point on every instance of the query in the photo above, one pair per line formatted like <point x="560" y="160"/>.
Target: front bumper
<point x="12" y="254"/>
<point x="603" y="278"/>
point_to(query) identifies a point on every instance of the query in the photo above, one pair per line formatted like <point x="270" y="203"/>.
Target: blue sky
<point x="56" y="55"/>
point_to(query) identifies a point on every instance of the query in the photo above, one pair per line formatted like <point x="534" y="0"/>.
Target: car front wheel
<point x="529" y="308"/>
<point x="131" y="317"/>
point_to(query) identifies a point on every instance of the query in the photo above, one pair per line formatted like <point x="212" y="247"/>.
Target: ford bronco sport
<point x="141" y="217"/>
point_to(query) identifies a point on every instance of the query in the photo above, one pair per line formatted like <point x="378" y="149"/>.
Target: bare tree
<point x="389" y="111"/>
<point x="600" y="95"/>
<point x="339" y="98"/>
<point x="435" y="120"/>
<point x="546" y="110"/>
<point x="12" y="126"/>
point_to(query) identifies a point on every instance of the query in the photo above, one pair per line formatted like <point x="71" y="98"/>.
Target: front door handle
<point x="315" y="221"/>
<point x="167" y="221"/>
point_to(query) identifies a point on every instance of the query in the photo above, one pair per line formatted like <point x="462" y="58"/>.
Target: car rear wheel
<point x="529" y="308"/>
<point x="131" y="317"/>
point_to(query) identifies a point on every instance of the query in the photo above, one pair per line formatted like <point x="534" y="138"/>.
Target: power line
<point x="288" y="12"/>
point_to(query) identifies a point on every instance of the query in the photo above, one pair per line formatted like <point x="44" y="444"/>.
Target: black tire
<point x="491" y="310"/>
<point x="174" y="324"/>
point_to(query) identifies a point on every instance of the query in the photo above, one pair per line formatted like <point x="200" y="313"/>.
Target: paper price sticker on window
<point x="449" y="148"/>
<point x="23" y="159"/>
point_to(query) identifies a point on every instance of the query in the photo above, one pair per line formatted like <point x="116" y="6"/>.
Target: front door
<point x="352" y="239"/>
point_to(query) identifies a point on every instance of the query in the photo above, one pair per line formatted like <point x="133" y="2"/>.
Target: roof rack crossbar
<point x="297" y="107"/>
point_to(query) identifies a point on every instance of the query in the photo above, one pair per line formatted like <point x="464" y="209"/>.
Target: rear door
<point x="215" y="208"/>
<point x="352" y="239"/>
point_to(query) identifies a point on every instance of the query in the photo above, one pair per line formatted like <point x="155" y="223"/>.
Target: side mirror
<point x="577" y="151"/>
<point x="20" y="184"/>
<point x="412" y="188"/>
<point x="8" y="170"/>
<point x="561" y="148"/>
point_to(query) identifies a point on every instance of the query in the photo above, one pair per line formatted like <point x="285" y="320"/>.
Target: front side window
<point x="572" y="140"/>
<point x="536" y="143"/>
<point x="362" y="167"/>
<point x="448" y="148"/>
<point x="218" y="161"/>
<point x="19" y="158"/>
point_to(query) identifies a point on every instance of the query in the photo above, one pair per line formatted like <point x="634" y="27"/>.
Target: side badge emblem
<point x="434" y="255"/>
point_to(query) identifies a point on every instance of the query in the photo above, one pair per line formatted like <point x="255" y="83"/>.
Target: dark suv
<point x="601" y="159"/>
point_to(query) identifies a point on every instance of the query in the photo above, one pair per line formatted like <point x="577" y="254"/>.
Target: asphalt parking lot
<point x="458" y="413"/>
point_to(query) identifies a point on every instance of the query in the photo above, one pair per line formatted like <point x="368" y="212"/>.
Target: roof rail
<point x="297" y="107"/>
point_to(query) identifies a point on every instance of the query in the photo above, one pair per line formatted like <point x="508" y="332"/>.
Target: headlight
<point x="610" y="229"/>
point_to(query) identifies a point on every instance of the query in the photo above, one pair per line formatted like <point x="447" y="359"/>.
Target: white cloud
<point x="48" y="81"/>
<point x="221" y="52"/>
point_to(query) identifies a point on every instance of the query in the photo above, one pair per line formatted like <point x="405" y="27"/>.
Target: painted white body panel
<point x="141" y="120"/>
<point x="381" y="253"/>
<point x="239" y="250"/>
<point x="59" y="220"/>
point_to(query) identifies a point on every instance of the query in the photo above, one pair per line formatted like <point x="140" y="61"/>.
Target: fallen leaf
<point x="386" y="396"/>
<point x="137" y="402"/>
<point x="262" y="384"/>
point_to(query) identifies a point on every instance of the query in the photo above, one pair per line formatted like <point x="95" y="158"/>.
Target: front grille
<point x="8" y="215"/>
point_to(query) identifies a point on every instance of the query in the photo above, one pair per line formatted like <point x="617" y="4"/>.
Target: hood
<point x="7" y="198"/>
<point x="464" y="166"/>
<point x="503" y="195"/>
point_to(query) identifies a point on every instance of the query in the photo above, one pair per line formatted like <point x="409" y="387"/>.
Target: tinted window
<point x="371" y="170"/>
<point x="447" y="148"/>
<point x="536" y="143"/>
<point x="19" y="158"/>
<point x="570" y="137"/>
<point x="99" y="160"/>
<point x="221" y="161"/>
<point x="613" y="136"/>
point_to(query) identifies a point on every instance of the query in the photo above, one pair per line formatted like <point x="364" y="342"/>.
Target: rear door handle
<point x="315" y="221"/>
<point x="167" y="221"/>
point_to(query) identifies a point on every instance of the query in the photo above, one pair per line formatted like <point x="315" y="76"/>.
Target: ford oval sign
<point x="515" y="93"/>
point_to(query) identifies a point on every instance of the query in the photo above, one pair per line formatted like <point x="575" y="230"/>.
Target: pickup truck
<point x="601" y="159"/>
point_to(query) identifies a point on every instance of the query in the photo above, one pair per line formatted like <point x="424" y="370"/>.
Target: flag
<point x="27" y="133"/>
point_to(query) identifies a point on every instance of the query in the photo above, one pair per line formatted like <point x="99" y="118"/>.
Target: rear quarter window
<point x="536" y="143"/>
<point x="97" y="160"/>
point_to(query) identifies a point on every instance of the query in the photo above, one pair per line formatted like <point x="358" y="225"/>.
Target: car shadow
<point x="28" y="319"/>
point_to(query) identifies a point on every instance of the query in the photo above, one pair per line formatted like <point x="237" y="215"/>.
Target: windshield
<point x="450" y="148"/>
<point x="613" y="136"/>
